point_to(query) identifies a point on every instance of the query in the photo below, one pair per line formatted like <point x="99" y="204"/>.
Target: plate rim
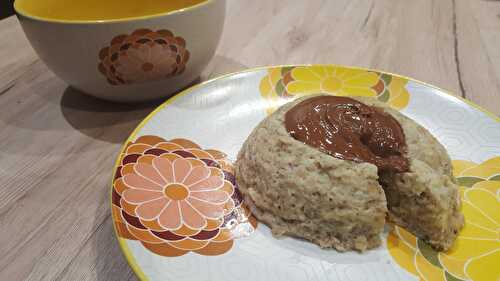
<point x="122" y="242"/>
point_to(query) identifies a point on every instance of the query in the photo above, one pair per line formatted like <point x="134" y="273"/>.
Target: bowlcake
<point x="305" y="181"/>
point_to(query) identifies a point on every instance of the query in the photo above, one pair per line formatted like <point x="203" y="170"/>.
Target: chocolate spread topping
<point x="348" y="129"/>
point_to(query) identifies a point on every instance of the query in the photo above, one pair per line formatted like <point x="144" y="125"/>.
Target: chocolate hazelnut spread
<point x="348" y="129"/>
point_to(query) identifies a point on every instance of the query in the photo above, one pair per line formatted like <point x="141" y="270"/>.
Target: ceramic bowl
<point x="128" y="60"/>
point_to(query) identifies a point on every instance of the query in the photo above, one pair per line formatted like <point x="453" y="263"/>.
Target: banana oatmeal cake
<point x="332" y="169"/>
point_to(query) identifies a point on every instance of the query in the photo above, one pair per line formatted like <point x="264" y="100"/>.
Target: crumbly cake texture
<point x="425" y="200"/>
<point x="300" y="191"/>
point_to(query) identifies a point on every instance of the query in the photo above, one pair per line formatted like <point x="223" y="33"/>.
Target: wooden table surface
<point x="57" y="146"/>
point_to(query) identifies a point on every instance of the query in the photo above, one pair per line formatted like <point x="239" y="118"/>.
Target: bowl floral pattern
<point x="283" y="83"/>
<point x="175" y="198"/>
<point x="142" y="56"/>
<point x="476" y="252"/>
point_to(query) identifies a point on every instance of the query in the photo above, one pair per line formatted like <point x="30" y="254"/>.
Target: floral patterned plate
<point x="179" y="216"/>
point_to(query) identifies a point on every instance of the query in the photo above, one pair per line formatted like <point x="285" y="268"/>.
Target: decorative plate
<point x="179" y="215"/>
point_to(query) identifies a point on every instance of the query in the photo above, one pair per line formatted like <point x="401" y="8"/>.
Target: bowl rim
<point x="20" y="12"/>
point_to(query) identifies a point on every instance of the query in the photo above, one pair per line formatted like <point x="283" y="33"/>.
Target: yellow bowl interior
<point x="99" y="10"/>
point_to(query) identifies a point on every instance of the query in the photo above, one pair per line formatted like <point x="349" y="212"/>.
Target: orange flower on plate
<point x="476" y="252"/>
<point x="175" y="198"/>
<point x="175" y="193"/>
<point x="144" y="55"/>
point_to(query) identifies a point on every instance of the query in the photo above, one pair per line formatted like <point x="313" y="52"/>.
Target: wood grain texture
<point x="57" y="146"/>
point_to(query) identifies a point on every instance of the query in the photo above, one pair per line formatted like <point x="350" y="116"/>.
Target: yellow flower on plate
<point x="476" y="252"/>
<point x="283" y="83"/>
